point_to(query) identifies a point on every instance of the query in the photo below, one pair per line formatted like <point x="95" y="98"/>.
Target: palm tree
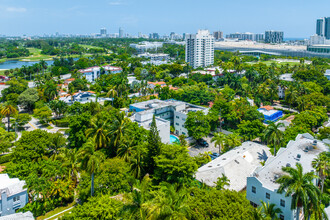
<point x="90" y="160"/>
<point x="117" y="129"/>
<point x="299" y="186"/>
<point x="168" y="203"/>
<point x="98" y="132"/>
<point x="7" y="110"/>
<point x="69" y="159"/>
<point x="112" y="93"/>
<point x="232" y="141"/>
<point x="125" y="150"/>
<point x="322" y="165"/>
<point x="136" y="165"/>
<point x="267" y="211"/>
<point x="290" y="95"/>
<point x="273" y="135"/>
<point x="219" y="139"/>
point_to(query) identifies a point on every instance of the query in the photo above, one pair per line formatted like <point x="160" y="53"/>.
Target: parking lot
<point x="195" y="150"/>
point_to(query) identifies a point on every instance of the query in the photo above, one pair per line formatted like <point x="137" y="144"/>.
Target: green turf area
<point x="55" y="211"/>
<point x="90" y="46"/>
<point x="268" y="63"/>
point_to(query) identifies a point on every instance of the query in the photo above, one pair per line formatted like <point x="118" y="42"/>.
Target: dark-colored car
<point x="201" y="142"/>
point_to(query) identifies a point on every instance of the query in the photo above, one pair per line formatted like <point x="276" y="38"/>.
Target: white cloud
<point x="14" y="9"/>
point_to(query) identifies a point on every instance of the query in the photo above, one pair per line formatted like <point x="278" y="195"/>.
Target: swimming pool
<point x="173" y="139"/>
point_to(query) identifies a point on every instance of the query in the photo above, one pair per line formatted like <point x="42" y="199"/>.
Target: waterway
<point x="12" y="64"/>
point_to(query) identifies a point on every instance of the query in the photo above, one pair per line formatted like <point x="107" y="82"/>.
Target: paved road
<point x="194" y="151"/>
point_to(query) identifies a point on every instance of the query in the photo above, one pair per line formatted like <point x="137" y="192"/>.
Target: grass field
<point x="55" y="211"/>
<point x="268" y="63"/>
<point x="89" y="46"/>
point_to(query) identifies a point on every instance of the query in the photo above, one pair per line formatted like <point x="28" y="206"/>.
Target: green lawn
<point x="268" y="63"/>
<point x="55" y="211"/>
<point x="89" y="46"/>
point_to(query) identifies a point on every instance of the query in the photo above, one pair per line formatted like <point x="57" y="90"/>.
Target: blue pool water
<point x="173" y="139"/>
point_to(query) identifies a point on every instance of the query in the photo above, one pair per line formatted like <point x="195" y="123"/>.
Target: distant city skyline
<point x="36" y="17"/>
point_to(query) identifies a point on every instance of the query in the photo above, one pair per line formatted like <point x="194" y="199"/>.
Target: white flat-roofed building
<point x="285" y="77"/>
<point x="146" y="45"/>
<point x="94" y="72"/>
<point x="236" y="164"/>
<point x="262" y="186"/>
<point x="13" y="195"/>
<point x="200" y="49"/>
<point x="155" y="56"/>
<point x="170" y="111"/>
<point x="327" y="74"/>
<point x="19" y="216"/>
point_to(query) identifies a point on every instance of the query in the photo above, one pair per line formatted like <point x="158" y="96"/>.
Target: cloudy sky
<point x="295" y="17"/>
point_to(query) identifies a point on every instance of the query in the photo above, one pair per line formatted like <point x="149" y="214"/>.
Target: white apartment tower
<point x="200" y="49"/>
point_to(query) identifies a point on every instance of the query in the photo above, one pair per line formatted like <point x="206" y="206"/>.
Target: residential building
<point x="152" y="85"/>
<point x="155" y="56"/>
<point x="167" y="112"/>
<point x="145" y="46"/>
<point x="270" y="114"/>
<point x="281" y="89"/>
<point x="327" y="74"/>
<point x="82" y="97"/>
<point x="218" y="35"/>
<point x="13" y="195"/>
<point x="246" y="36"/>
<point x="103" y="32"/>
<point x="323" y="27"/>
<point x="262" y="186"/>
<point x="236" y="164"/>
<point x="121" y="33"/>
<point x="322" y="49"/>
<point x="18" y="216"/>
<point x="274" y="37"/>
<point x="200" y="49"/>
<point x="94" y="72"/>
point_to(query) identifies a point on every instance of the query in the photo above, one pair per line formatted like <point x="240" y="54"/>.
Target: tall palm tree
<point x="322" y="165"/>
<point x="219" y="139"/>
<point x="299" y="186"/>
<point x="118" y="129"/>
<point x="90" y="160"/>
<point x="7" y="110"/>
<point x="136" y="165"/>
<point x="98" y="132"/>
<point x="273" y="135"/>
<point x="112" y="93"/>
<point x="125" y="150"/>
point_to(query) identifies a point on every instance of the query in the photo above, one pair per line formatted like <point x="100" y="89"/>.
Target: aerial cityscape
<point x="141" y="110"/>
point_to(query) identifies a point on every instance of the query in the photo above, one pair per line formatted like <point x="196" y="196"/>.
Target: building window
<point x="253" y="204"/>
<point x="282" y="203"/>
<point x="183" y="133"/>
<point x="16" y="198"/>
<point x="254" y="189"/>
<point x="267" y="196"/>
<point x="177" y="116"/>
<point x="282" y="217"/>
<point x="176" y="123"/>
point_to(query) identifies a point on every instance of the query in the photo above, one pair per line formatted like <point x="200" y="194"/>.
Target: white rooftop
<point x="301" y="151"/>
<point x="287" y="77"/>
<point x="267" y="112"/>
<point x="236" y="164"/>
<point x="18" y="216"/>
<point x="11" y="185"/>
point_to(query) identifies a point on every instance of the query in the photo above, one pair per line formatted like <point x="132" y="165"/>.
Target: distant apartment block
<point x="218" y="35"/>
<point x="200" y="49"/>
<point x="13" y="195"/>
<point x="246" y="36"/>
<point x="262" y="186"/>
<point x="92" y="73"/>
<point x="323" y="27"/>
<point x="168" y="113"/>
<point x="274" y="37"/>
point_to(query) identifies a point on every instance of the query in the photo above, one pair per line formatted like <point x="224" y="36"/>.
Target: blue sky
<point x="295" y="17"/>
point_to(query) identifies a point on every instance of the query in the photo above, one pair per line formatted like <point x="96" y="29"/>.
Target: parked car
<point x="201" y="142"/>
<point x="214" y="155"/>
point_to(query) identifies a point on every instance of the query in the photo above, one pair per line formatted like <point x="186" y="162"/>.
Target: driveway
<point x="195" y="150"/>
